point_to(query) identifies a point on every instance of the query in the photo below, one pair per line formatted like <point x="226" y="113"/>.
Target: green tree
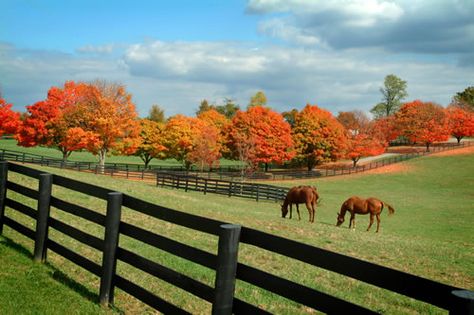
<point x="156" y="114"/>
<point x="465" y="99"/>
<point x="229" y="109"/>
<point x="204" y="107"/>
<point x="393" y="92"/>
<point x="259" y="99"/>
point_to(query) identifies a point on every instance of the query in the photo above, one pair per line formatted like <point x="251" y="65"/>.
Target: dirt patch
<point x="392" y="168"/>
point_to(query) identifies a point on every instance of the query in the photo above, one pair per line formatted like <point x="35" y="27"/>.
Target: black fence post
<point x="463" y="302"/>
<point x="44" y="198"/>
<point x="3" y="190"/>
<point x="229" y="236"/>
<point x="111" y="239"/>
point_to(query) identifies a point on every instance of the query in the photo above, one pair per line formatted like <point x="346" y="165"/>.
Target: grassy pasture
<point x="430" y="234"/>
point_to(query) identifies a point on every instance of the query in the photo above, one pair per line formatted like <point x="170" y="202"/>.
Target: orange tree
<point x="9" y="119"/>
<point x="423" y="122"/>
<point x="318" y="137"/>
<point x="461" y="122"/>
<point x="50" y="122"/>
<point x="364" y="144"/>
<point x="213" y="118"/>
<point x="206" y="146"/>
<point x="108" y="119"/>
<point x="151" y="141"/>
<point x="262" y="135"/>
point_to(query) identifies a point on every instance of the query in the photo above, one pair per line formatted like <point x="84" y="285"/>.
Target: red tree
<point x="423" y="122"/>
<point x="263" y="133"/>
<point x="49" y="122"/>
<point x="9" y="120"/>
<point x="461" y="122"/>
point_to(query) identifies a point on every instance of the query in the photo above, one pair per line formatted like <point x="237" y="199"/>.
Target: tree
<point x="461" y="122"/>
<point x="204" y="107"/>
<point x="220" y="122"/>
<point x="290" y="116"/>
<point x="54" y="123"/>
<point x="156" y="114"/>
<point x="355" y="121"/>
<point x="178" y="137"/>
<point x="109" y="115"/>
<point x="229" y="109"/>
<point x="423" y="122"/>
<point x="151" y="141"/>
<point x="9" y="119"/>
<point x="206" y="150"/>
<point x="259" y="99"/>
<point x="263" y="133"/>
<point x="318" y="137"/>
<point x="465" y="99"/>
<point x="393" y="92"/>
<point x="365" y="143"/>
<point x="385" y="128"/>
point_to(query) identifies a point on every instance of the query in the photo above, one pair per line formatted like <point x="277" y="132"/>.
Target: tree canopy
<point x="393" y="92"/>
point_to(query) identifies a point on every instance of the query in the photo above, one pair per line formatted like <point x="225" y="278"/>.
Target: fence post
<point x="3" y="191"/>
<point x="44" y="198"/>
<point x="229" y="235"/>
<point x="462" y="302"/>
<point x="111" y="239"/>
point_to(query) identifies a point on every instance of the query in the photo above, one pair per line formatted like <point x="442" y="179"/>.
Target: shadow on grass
<point x="57" y="274"/>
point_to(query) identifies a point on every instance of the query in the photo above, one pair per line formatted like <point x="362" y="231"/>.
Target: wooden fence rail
<point x="229" y="188"/>
<point x="225" y="263"/>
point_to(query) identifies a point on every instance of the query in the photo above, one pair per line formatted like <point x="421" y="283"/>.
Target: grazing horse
<point x="354" y="205"/>
<point x="301" y="194"/>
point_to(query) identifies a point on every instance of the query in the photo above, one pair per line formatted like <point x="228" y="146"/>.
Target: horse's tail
<point x="391" y="210"/>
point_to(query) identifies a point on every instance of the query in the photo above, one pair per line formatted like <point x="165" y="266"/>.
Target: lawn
<point x="32" y="288"/>
<point x="429" y="235"/>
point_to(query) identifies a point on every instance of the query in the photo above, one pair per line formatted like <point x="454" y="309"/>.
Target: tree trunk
<point x="428" y="147"/>
<point x="102" y="154"/>
<point x="266" y="167"/>
<point x="459" y="139"/>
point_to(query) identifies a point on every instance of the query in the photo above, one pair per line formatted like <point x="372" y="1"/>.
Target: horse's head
<point x="340" y="219"/>
<point x="284" y="210"/>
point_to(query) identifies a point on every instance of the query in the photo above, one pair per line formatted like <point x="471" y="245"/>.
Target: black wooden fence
<point x="225" y="263"/>
<point x="229" y="188"/>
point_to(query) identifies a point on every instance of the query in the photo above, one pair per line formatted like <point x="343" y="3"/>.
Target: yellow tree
<point x="318" y="137"/>
<point x="151" y="141"/>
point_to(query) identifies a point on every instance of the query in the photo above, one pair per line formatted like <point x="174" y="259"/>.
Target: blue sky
<point x="176" y="53"/>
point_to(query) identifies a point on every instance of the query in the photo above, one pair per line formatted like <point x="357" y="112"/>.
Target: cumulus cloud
<point x="399" y="26"/>
<point x="178" y="75"/>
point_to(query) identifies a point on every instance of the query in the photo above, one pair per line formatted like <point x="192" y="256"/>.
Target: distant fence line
<point x="228" y="182"/>
<point x="225" y="263"/>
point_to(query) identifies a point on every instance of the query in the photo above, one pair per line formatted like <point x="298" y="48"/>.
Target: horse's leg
<point x="371" y="222"/>
<point x="352" y="222"/>
<point x="291" y="210"/>
<point x="298" y="210"/>
<point x="378" y="222"/>
<point x="309" y="206"/>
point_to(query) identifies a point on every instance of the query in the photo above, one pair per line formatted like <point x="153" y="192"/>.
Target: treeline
<point x="101" y="118"/>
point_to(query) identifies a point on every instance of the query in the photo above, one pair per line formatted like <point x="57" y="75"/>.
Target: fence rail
<point x="224" y="263"/>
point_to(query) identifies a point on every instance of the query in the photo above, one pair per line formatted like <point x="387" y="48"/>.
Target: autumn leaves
<point x="101" y="118"/>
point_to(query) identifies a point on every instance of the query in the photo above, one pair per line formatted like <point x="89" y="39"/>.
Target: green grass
<point x="84" y="156"/>
<point x="33" y="288"/>
<point x="429" y="235"/>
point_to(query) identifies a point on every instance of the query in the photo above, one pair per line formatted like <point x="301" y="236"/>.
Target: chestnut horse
<point x="301" y="194"/>
<point x="354" y="205"/>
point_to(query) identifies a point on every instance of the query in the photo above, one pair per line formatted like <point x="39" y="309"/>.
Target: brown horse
<point x="301" y="194"/>
<point x="354" y="205"/>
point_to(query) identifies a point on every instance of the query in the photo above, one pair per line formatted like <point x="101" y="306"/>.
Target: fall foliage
<point x="263" y="134"/>
<point x="9" y="120"/>
<point x="461" y="122"/>
<point x="318" y="137"/>
<point x="151" y="141"/>
<point x="423" y="122"/>
<point x="52" y="122"/>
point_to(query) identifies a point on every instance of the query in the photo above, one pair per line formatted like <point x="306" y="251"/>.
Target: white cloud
<point x="178" y="75"/>
<point x="422" y="26"/>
